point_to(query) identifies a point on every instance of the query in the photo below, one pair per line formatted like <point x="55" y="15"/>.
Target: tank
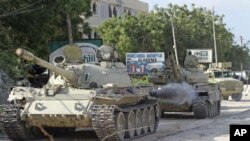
<point x="186" y="89"/>
<point x="96" y="97"/>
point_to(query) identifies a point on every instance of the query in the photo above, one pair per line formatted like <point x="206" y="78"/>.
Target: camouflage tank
<point x="186" y="89"/>
<point x="89" y="96"/>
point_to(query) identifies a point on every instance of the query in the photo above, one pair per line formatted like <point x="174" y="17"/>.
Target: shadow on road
<point x="180" y="115"/>
<point x="78" y="136"/>
<point x="235" y="107"/>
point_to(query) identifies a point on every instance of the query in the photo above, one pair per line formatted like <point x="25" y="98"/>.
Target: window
<point x="218" y="74"/>
<point x="227" y="74"/>
<point x="95" y="35"/>
<point x="114" y="12"/>
<point x="89" y="35"/>
<point x="94" y="8"/>
<point x="110" y="12"/>
<point x="129" y="13"/>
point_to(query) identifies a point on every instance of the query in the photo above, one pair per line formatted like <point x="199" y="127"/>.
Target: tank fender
<point x="19" y="93"/>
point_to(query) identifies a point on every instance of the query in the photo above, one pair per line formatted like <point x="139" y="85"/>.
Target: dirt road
<point x="183" y="127"/>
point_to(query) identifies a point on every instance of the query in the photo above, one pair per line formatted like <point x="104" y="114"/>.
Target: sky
<point x="236" y="12"/>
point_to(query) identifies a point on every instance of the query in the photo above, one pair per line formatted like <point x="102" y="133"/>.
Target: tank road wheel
<point x="138" y="122"/>
<point x="200" y="107"/>
<point x="151" y="119"/>
<point x="237" y="97"/>
<point x="225" y="97"/>
<point x="120" y="125"/>
<point x="145" y="120"/>
<point x="130" y="124"/>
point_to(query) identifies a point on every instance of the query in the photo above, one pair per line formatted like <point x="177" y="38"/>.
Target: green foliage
<point x="139" y="80"/>
<point x="141" y="33"/>
<point x="31" y="24"/>
<point x="152" y="32"/>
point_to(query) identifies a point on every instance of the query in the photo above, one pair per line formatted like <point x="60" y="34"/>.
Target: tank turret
<point x="69" y="70"/>
<point x="189" y="73"/>
<point x="69" y="75"/>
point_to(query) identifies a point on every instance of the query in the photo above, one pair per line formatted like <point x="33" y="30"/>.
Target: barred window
<point x="115" y="12"/>
<point x="110" y="11"/>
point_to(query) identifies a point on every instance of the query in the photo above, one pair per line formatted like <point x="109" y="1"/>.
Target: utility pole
<point x="215" y="46"/>
<point x="175" y="47"/>
<point x="69" y="29"/>
<point x="241" y="41"/>
<point x="241" y="65"/>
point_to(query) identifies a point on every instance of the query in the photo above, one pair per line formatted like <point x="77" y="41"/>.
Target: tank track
<point x="204" y="109"/>
<point x="11" y="124"/>
<point x="103" y="120"/>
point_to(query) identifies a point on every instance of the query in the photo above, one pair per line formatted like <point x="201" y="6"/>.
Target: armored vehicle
<point x="229" y="86"/>
<point x="242" y="76"/>
<point x="186" y="89"/>
<point x="91" y="96"/>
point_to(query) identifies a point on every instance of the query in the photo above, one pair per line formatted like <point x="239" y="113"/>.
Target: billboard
<point x="203" y="55"/>
<point x="144" y="63"/>
<point x="87" y="46"/>
<point x="222" y="65"/>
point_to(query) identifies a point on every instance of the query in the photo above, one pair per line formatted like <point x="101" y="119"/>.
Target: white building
<point x="104" y="9"/>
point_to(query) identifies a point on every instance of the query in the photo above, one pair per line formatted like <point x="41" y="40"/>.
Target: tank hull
<point x="206" y="101"/>
<point x="68" y="112"/>
<point x="167" y="106"/>
<point x="88" y="110"/>
<point x="58" y="113"/>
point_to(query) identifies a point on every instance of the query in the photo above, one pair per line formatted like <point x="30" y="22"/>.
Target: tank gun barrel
<point x="174" y="68"/>
<point x="30" y="57"/>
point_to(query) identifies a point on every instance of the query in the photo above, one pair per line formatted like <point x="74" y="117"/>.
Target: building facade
<point x="104" y="9"/>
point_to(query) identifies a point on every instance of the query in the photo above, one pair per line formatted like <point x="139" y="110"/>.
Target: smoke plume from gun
<point x="176" y="93"/>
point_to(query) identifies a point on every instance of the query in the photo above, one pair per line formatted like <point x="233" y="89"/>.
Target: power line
<point x="26" y="11"/>
<point x="15" y="12"/>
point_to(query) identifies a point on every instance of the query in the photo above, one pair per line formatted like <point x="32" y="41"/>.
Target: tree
<point x="31" y="24"/>
<point x="140" y="33"/>
<point x="152" y="32"/>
